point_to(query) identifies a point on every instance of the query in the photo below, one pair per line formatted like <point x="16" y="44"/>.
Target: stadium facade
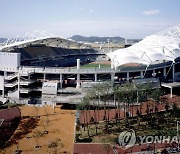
<point x="40" y="66"/>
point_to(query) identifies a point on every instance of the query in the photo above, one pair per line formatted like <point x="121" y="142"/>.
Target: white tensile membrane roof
<point x="163" y="46"/>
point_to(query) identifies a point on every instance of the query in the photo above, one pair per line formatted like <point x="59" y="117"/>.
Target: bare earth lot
<point x="30" y="132"/>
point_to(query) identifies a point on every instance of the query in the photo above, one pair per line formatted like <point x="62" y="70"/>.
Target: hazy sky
<point x="125" y="18"/>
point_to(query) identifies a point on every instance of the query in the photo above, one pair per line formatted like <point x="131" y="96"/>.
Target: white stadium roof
<point x="162" y="46"/>
<point x="38" y="37"/>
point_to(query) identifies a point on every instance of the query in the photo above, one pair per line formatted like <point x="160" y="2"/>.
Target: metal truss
<point x="28" y="36"/>
<point x="37" y="36"/>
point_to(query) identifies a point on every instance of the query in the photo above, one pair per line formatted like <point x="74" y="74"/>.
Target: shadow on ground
<point x="16" y="129"/>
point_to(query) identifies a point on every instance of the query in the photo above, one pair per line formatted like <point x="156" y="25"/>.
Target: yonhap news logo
<point x="127" y="139"/>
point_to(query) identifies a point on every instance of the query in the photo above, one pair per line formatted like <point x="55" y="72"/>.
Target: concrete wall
<point x="1" y="82"/>
<point x="49" y="87"/>
<point x="10" y="59"/>
<point x="14" y="94"/>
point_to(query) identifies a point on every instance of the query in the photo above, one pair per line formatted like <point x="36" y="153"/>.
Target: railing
<point x="11" y="84"/>
<point x="60" y="70"/>
<point x="13" y="91"/>
<point x="23" y="90"/>
<point x="26" y="82"/>
<point x="10" y="76"/>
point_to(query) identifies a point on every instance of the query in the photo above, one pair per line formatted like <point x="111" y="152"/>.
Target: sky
<point x="124" y="18"/>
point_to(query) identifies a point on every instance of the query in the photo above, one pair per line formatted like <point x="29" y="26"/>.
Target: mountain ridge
<point x="81" y="38"/>
<point x="2" y="40"/>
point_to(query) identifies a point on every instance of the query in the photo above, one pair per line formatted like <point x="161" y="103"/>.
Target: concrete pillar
<point x="3" y="90"/>
<point x="78" y="81"/>
<point x="112" y="65"/>
<point x="164" y="71"/>
<point x="5" y="73"/>
<point x="18" y="85"/>
<point x="171" y="92"/>
<point x="173" y="72"/>
<point x="78" y="63"/>
<point x="142" y="75"/>
<point x="112" y="77"/>
<point x="3" y="86"/>
<point x="95" y="77"/>
<point x="127" y="76"/>
<point x="154" y="73"/>
<point x="44" y="77"/>
<point x="61" y="81"/>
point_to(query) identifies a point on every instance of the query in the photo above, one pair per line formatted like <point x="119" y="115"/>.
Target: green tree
<point x="117" y="114"/>
<point x="106" y="93"/>
<point x="85" y="107"/>
<point x="93" y="97"/>
<point x="98" y="91"/>
<point x="81" y="108"/>
<point x="156" y="95"/>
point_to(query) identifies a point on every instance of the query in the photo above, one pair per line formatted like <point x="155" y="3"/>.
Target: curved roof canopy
<point x="163" y="46"/>
<point x="41" y="38"/>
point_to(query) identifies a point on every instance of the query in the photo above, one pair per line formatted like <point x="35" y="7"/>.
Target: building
<point x="29" y="65"/>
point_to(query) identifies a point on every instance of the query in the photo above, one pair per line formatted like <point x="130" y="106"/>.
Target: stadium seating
<point x="41" y="55"/>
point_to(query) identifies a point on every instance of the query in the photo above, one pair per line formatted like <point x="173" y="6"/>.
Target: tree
<point x="120" y="97"/>
<point x="144" y="91"/>
<point x="55" y="146"/>
<point x="91" y="96"/>
<point x="84" y="106"/>
<point x="107" y="91"/>
<point x="46" y="121"/>
<point x="155" y="95"/>
<point x="45" y="124"/>
<point x="126" y="94"/>
<point x="98" y="91"/>
<point x="37" y="110"/>
<point x="80" y="107"/>
<point x="117" y="116"/>
<point x="140" y="94"/>
<point x="87" y="109"/>
<point x="36" y="135"/>
<point x="130" y="97"/>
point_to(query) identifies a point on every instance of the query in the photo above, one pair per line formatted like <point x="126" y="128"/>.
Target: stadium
<point x="40" y="67"/>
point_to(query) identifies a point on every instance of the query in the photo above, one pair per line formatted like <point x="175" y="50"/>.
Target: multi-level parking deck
<point x="22" y="81"/>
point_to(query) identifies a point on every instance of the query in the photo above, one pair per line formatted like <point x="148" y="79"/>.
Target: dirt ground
<point x="59" y="124"/>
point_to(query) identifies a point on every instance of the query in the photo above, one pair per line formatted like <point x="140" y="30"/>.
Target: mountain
<point x="2" y="40"/>
<point x="97" y="39"/>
